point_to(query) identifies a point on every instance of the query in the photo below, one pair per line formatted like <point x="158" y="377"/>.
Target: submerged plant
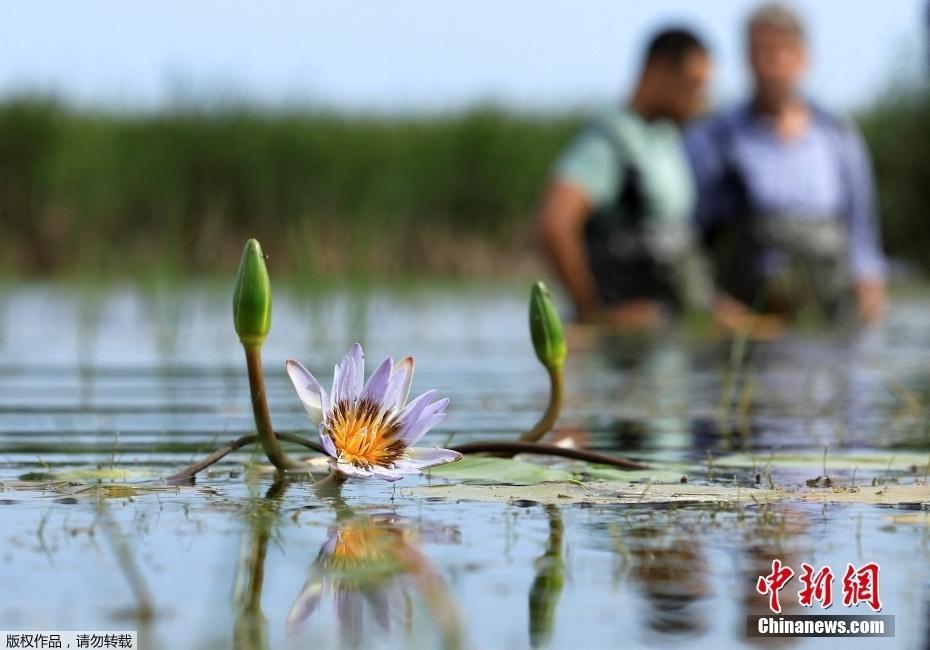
<point x="369" y="430"/>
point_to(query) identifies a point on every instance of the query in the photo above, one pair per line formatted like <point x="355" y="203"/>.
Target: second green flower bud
<point x="546" y="328"/>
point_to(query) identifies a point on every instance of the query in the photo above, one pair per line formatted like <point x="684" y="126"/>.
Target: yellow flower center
<point x="364" y="434"/>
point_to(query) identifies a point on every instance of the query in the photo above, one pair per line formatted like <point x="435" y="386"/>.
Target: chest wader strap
<point x="809" y="252"/>
<point x="811" y="260"/>
<point x="619" y="255"/>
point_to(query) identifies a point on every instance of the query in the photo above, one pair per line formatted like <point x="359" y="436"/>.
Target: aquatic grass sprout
<point x="369" y="429"/>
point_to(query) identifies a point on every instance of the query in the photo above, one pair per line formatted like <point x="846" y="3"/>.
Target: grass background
<point x="85" y="191"/>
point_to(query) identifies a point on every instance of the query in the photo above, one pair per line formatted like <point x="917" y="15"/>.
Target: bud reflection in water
<point x="251" y="631"/>
<point x="377" y="581"/>
<point x="547" y="586"/>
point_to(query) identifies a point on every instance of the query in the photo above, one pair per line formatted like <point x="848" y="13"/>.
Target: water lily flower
<point x="369" y="430"/>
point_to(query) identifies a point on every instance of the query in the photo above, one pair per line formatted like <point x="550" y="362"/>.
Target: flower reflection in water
<point x="371" y="565"/>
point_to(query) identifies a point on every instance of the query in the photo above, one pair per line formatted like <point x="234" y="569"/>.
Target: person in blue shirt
<point x="786" y="202"/>
<point x="615" y="217"/>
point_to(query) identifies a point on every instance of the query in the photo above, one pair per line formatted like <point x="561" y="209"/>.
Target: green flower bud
<point x="252" y="296"/>
<point x="546" y="328"/>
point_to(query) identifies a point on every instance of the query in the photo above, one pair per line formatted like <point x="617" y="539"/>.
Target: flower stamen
<point x="365" y="434"/>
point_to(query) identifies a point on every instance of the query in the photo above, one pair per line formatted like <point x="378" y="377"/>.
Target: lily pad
<point x="121" y="474"/>
<point x="890" y="494"/>
<point x="561" y="493"/>
<point x="499" y="471"/>
<point x="661" y="472"/>
<point x="836" y="461"/>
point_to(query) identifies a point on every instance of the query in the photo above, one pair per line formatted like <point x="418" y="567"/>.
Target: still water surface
<point x="148" y="380"/>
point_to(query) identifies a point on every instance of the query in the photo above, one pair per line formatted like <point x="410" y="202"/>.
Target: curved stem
<point x="187" y="474"/>
<point x="512" y="448"/>
<point x="333" y="480"/>
<point x="300" y="440"/>
<point x="330" y="486"/>
<point x="253" y="359"/>
<point x="556" y="387"/>
<point x="501" y="448"/>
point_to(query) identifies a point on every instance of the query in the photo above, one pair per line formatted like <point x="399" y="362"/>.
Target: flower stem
<point x="330" y="486"/>
<point x="496" y="447"/>
<point x="556" y="388"/>
<point x="253" y="359"/>
<point x="508" y="449"/>
<point x="187" y="474"/>
<point x="300" y="440"/>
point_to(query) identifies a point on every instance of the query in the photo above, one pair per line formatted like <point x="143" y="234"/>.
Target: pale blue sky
<point x="418" y="54"/>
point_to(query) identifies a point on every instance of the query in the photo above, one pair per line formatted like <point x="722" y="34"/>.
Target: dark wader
<point x="628" y="259"/>
<point x="808" y="253"/>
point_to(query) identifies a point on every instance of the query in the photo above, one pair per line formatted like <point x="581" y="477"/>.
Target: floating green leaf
<point x="121" y="474"/>
<point x="874" y="460"/>
<point x="499" y="471"/>
<point x="660" y="473"/>
<point x="567" y="493"/>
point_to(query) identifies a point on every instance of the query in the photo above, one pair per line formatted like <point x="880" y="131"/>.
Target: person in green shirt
<point x="615" y="217"/>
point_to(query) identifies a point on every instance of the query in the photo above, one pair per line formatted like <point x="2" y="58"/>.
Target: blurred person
<point x="615" y="215"/>
<point x="785" y="194"/>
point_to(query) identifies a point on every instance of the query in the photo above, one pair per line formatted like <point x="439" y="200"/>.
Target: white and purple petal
<point x="412" y="411"/>
<point x="399" y="387"/>
<point x="328" y="445"/>
<point x="326" y="404"/>
<point x="427" y="418"/>
<point x="349" y="375"/>
<point x="350" y="470"/>
<point x="395" y="396"/>
<point x="422" y="457"/>
<point x="378" y="383"/>
<point x="391" y="473"/>
<point x="308" y="389"/>
<point x="358" y="359"/>
<point x="336" y="391"/>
